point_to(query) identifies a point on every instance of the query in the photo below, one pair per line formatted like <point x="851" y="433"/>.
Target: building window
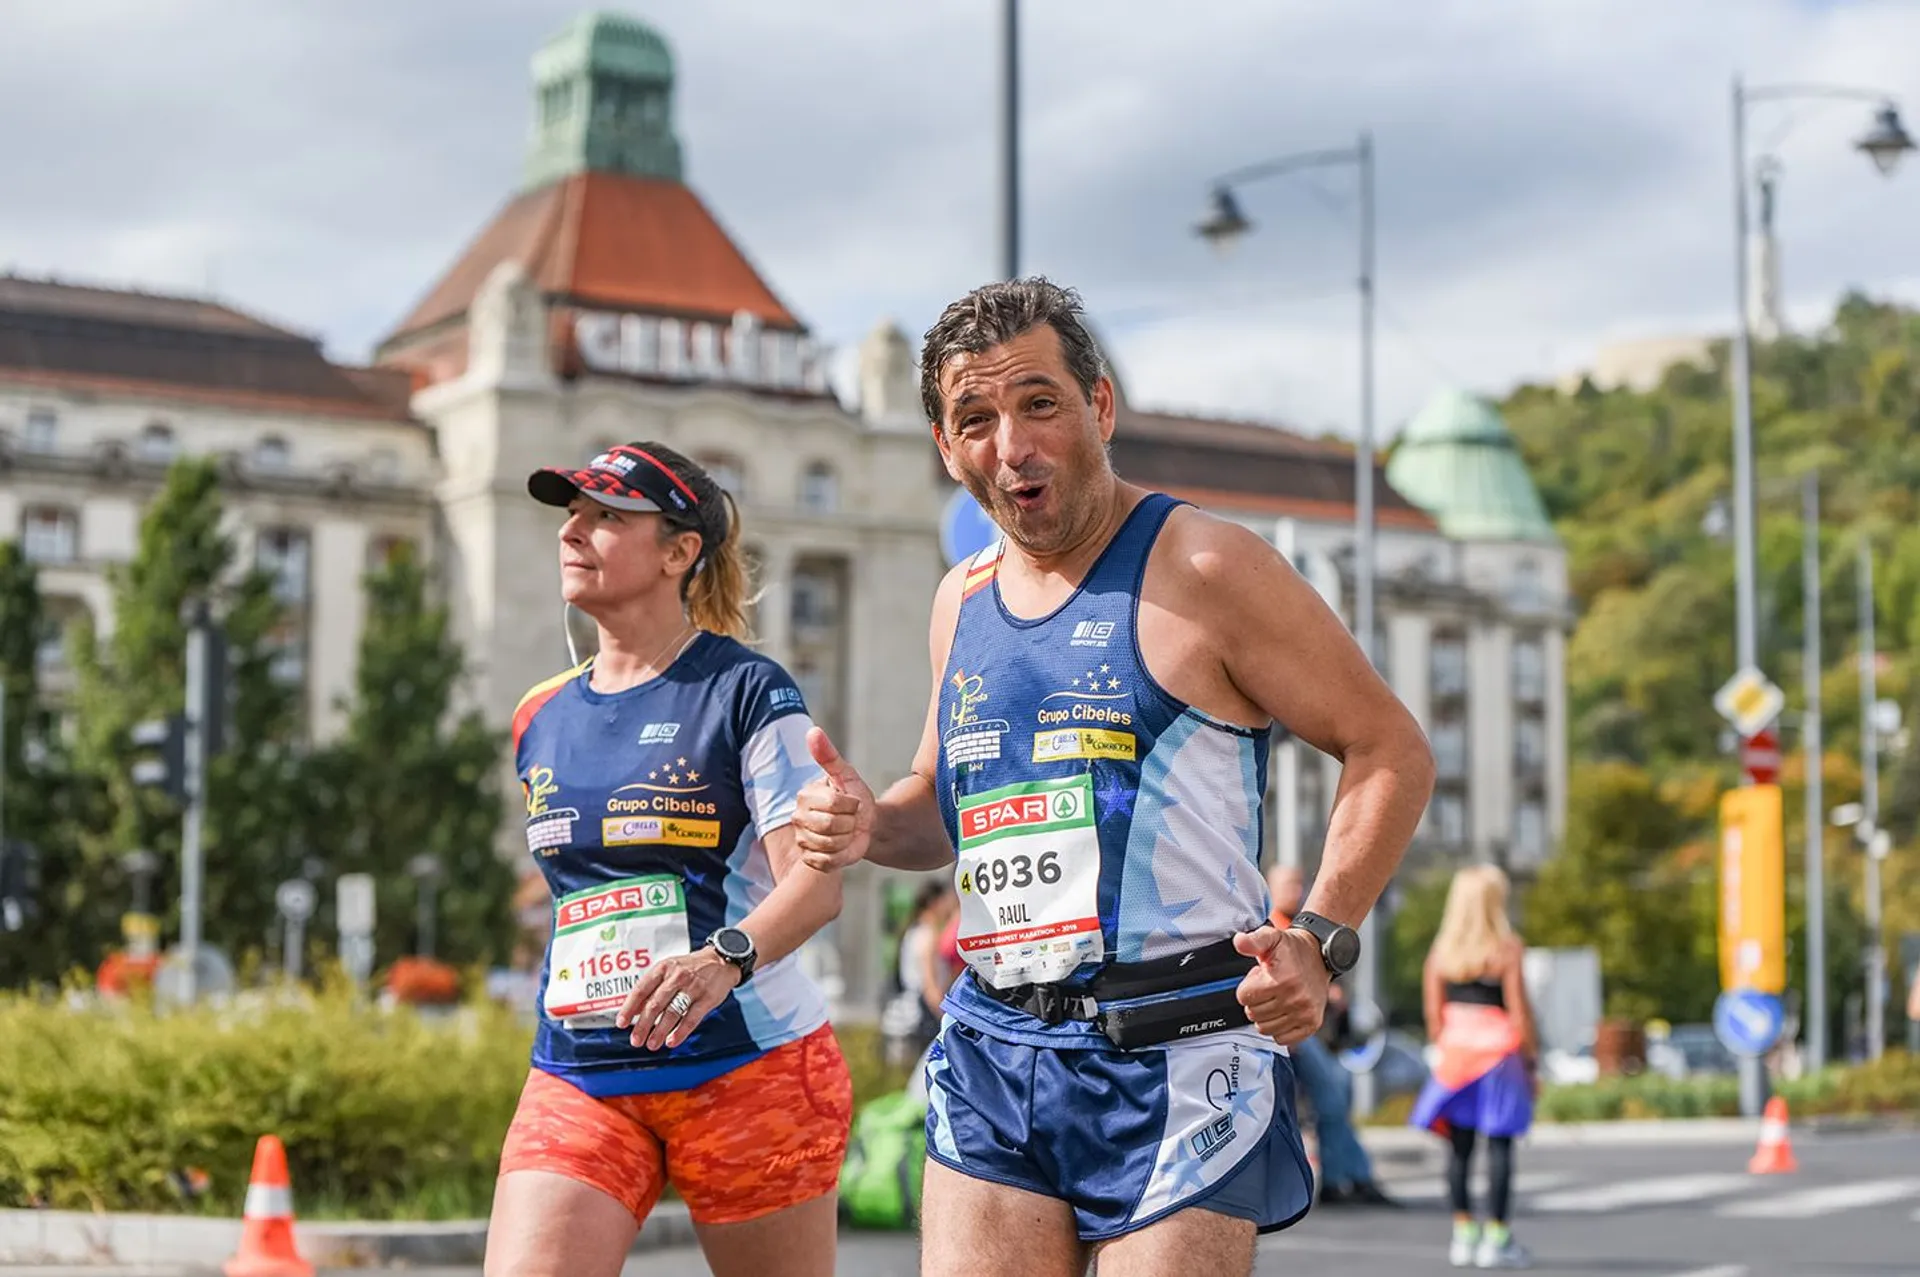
<point x="271" y="454"/>
<point x="1448" y="740"/>
<point x="820" y="489"/>
<point x="1529" y="832"/>
<point x="51" y="534"/>
<point x="1448" y="818"/>
<point x="1529" y="744"/>
<point x="1449" y="661"/>
<point x="728" y="473"/>
<point x="816" y="599"/>
<point x="42" y="427"/>
<point x="157" y="444"/>
<point x="1529" y="670"/>
<point x="283" y="554"/>
<point x="1526" y="592"/>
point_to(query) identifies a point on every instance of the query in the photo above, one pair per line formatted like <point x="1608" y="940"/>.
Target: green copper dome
<point x="1457" y="461"/>
<point x="603" y="102"/>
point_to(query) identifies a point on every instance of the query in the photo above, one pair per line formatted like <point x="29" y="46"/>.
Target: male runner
<point x="1110" y="1077"/>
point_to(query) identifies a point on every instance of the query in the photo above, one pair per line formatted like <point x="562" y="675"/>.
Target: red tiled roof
<point x="53" y="297"/>
<point x="1300" y="508"/>
<point x="607" y="239"/>
<point x="90" y="338"/>
<point x="380" y="406"/>
<point x="1252" y="468"/>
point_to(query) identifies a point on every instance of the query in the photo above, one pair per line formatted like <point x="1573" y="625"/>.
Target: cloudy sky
<point x="1552" y="176"/>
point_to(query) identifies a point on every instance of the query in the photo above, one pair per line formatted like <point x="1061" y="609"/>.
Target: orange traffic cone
<point x="266" y="1235"/>
<point x="1775" y="1154"/>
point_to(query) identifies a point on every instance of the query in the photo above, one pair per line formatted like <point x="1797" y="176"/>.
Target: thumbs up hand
<point x="833" y="822"/>
<point x="1286" y="992"/>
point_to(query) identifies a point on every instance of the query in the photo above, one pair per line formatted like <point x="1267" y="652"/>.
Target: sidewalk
<point x="197" y="1245"/>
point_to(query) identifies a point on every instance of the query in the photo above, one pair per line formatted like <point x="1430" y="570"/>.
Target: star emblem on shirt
<point x="692" y="776"/>
<point x="654" y="774"/>
<point x="1112" y="684"/>
<point x="679" y="762"/>
<point x="673" y="778"/>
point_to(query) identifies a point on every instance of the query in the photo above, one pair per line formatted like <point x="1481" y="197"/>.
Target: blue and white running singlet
<point x="1096" y="818"/>
<point x="646" y="810"/>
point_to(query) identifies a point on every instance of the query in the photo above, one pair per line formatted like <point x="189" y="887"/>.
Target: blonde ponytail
<point x="716" y="592"/>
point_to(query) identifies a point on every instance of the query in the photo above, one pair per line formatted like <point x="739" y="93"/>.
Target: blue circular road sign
<point x="1748" y="1023"/>
<point x="965" y="529"/>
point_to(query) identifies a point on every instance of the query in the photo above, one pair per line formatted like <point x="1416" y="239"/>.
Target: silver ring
<point x="681" y="1004"/>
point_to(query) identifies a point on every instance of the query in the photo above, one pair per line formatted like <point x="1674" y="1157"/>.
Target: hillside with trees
<point x="1639" y="487"/>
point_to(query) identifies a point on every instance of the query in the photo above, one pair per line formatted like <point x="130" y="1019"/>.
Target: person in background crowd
<point x="912" y="1017"/>
<point x="1475" y="997"/>
<point x="1346" y="1172"/>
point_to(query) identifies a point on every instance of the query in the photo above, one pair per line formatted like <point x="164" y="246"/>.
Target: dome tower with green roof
<point x="1457" y="461"/>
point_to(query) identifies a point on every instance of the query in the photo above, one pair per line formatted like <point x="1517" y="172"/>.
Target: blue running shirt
<point x="1096" y="818"/>
<point x="646" y="811"/>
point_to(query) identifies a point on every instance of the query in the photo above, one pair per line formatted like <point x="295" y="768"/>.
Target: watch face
<point x="1343" y="948"/>
<point x="732" y="942"/>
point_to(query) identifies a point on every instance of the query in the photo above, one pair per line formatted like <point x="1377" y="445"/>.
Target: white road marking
<point x="1718" y="1270"/>
<point x="1642" y="1192"/>
<point x="1525" y="1183"/>
<point x="1818" y="1201"/>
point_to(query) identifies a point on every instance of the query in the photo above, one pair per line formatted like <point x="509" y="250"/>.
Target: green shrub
<point x="385" y="1114"/>
<point x="1892" y="1085"/>
<point x="382" y="1113"/>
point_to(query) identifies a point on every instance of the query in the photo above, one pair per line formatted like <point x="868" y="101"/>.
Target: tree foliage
<point x="402" y="780"/>
<point x="1639" y="487"/>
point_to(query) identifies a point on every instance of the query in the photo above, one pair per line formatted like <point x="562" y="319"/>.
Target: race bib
<point x="1029" y="881"/>
<point x="604" y="938"/>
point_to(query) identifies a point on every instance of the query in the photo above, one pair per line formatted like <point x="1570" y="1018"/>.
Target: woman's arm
<point x="802" y="901"/>
<point x="933" y="971"/>
<point x="1430" y="998"/>
<point x="1513" y="985"/>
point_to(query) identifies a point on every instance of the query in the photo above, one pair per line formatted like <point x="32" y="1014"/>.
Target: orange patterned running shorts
<point x="768" y="1135"/>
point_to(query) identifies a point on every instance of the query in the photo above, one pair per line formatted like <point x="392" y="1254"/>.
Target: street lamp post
<point x="1884" y="142"/>
<point x="1223" y="224"/>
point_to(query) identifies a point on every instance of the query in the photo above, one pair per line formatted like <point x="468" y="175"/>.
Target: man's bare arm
<point x="1285" y="651"/>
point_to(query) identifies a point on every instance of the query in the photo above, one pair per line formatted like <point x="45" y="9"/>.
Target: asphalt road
<point x="1851" y="1210"/>
<point x="1654" y="1209"/>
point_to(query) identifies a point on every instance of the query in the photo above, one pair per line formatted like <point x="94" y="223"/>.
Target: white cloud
<point x="1550" y="176"/>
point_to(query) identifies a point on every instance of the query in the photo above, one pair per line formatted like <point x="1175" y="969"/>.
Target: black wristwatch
<point x="1339" y="945"/>
<point x="736" y="946"/>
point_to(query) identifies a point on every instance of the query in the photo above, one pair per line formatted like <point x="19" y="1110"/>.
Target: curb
<point x="196" y="1244"/>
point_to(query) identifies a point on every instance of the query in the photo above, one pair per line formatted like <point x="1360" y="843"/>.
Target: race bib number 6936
<point x="1028" y="878"/>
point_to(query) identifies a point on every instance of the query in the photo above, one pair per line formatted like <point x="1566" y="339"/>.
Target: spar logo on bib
<point x="587" y="907"/>
<point x="1021" y="809"/>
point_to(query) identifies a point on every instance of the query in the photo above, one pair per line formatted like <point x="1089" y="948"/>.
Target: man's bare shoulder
<point x="1202" y="550"/>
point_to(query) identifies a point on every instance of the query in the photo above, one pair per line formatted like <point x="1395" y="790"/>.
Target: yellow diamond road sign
<point x="1749" y="700"/>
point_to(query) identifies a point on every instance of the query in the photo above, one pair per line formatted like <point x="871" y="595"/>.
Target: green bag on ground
<point x="886" y="1162"/>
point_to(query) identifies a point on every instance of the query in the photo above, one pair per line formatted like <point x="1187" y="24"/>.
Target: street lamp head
<point x="1887" y="140"/>
<point x="1224" y="223"/>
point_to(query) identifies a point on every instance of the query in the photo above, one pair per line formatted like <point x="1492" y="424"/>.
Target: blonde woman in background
<point x="1475" y="999"/>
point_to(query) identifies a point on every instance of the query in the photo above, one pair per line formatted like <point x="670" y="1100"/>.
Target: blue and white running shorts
<point x="1123" y="1137"/>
